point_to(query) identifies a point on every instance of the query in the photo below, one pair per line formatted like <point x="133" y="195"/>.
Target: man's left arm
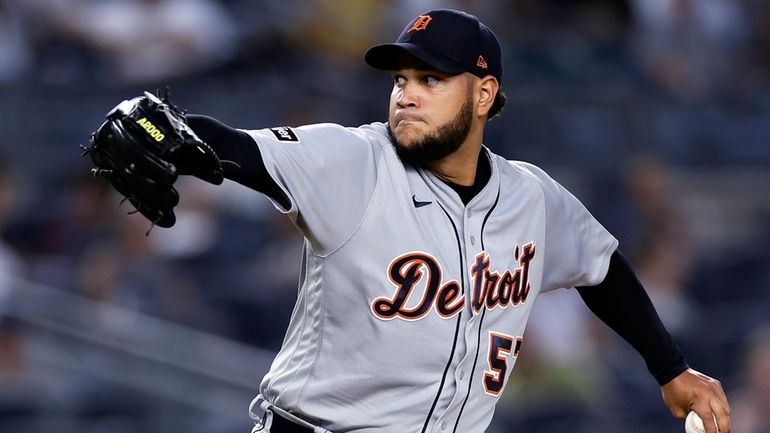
<point x="621" y="302"/>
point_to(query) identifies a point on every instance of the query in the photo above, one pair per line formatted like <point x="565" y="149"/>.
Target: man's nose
<point x="408" y="96"/>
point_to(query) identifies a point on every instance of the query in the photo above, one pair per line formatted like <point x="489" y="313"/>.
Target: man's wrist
<point x="671" y="371"/>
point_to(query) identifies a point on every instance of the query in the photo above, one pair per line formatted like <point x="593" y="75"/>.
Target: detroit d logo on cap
<point x="421" y="23"/>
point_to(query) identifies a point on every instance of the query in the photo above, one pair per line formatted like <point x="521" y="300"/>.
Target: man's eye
<point x="399" y="80"/>
<point x="430" y="80"/>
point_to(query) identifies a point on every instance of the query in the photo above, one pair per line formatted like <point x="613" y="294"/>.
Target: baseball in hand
<point x="693" y="423"/>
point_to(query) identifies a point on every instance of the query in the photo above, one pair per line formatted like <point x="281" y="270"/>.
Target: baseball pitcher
<point x="424" y="250"/>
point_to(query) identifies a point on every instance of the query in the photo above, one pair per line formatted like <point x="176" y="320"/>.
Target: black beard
<point x="444" y="142"/>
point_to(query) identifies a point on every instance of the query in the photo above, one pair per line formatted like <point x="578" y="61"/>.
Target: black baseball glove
<point x="141" y="149"/>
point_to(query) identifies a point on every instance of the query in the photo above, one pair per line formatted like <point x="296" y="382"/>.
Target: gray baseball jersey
<point x="412" y="306"/>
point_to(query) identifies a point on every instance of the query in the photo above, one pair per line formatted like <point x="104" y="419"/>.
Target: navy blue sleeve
<point x="241" y="160"/>
<point x="621" y="302"/>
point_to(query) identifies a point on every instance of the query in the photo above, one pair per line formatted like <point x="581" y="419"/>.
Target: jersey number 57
<point x="501" y="346"/>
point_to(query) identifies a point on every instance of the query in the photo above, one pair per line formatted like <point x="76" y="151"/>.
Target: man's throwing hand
<point x="694" y="391"/>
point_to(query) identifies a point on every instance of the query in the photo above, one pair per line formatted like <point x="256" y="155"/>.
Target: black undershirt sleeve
<point x="621" y="302"/>
<point x="241" y="159"/>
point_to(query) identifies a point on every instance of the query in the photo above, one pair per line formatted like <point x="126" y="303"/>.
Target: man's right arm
<point x="241" y="159"/>
<point x="304" y="171"/>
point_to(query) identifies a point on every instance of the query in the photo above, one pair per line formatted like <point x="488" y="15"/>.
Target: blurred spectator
<point x="18" y="400"/>
<point x="559" y="369"/>
<point x="664" y="251"/>
<point x="79" y="212"/>
<point x="690" y="48"/>
<point x="32" y="396"/>
<point x="14" y="44"/>
<point x="338" y="30"/>
<point x="127" y="270"/>
<point x="150" y="40"/>
<point x="751" y="402"/>
<point x="12" y="356"/>
<point x="10" y="262"/>
<point x="759" y="69"/>
<point x="84" y="214"/>
<point x="749" y="84"/>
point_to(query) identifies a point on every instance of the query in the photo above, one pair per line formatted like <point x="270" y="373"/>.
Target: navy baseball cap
<point x="448" y="40"/>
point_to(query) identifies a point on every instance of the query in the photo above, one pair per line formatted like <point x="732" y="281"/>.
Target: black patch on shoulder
<point x="284" y="133"/>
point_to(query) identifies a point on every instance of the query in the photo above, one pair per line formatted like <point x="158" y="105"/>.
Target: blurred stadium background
<point x="656" y="113"/>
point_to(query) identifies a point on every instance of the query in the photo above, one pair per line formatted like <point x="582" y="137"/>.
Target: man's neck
<point x="460" y="167"/>
<point x="481" y="178"/>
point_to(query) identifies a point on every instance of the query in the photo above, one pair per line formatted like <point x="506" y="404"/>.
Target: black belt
<point x="283" y="425"/>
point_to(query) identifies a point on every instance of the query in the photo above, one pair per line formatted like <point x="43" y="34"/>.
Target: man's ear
<point x="487" y="88"/>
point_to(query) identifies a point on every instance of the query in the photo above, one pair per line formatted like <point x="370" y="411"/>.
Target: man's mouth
<point x="407" y="118"/>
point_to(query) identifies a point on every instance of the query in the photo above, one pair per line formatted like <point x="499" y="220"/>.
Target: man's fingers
<point x="705" y="414"/>
<point x="723" y="407"/>
<point x="720" y="393"/>
<point x="721" y="416"/>
<point x="715" y="417"/>
<point x="719" y="406"/>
